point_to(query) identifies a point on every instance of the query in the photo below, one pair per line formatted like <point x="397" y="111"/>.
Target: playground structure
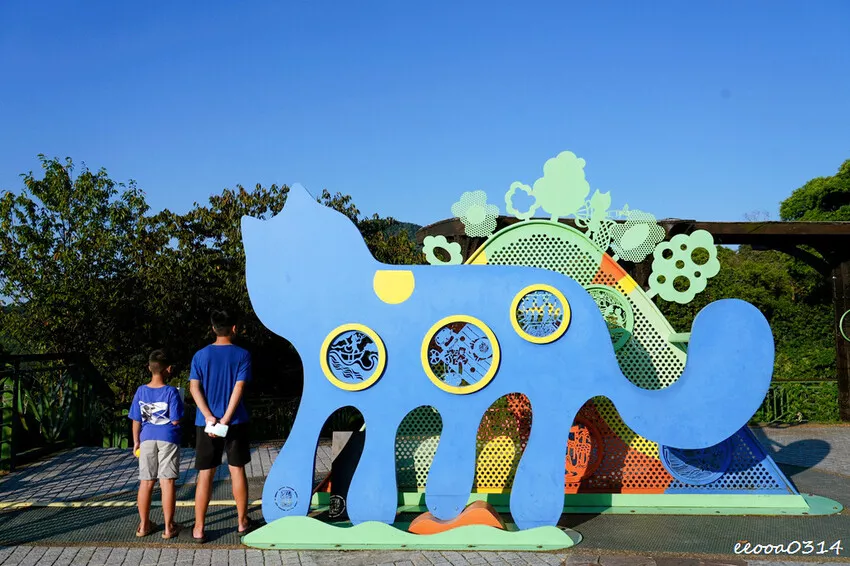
<point x="538" y="377"/>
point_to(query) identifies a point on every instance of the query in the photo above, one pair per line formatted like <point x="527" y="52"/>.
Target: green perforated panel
<point x="647" y="359"/>
<point x="415" y="445"/>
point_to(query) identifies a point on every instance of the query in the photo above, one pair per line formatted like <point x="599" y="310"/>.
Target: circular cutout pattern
<point x="584" y="451"/>
<point x="844" y="325"/>
<point x="697" y="467"/>
<point x="460" y="354"/>
<point x="286" y="498"/>
<point x="353" y="357"/>
<point x="540" y="314"/>
<point x="617" y="312"/>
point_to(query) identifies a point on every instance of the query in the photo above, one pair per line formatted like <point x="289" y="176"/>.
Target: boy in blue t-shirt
<point x="156" y="412"/>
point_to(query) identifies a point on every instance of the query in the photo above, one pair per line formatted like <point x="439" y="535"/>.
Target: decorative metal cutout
<point x="561" y="191"/>
<point x="617" y="312"/>
<point x="636" y="237"/>
<point x="584" y="451"/>
<point x="430" y="245"/>
<point x="843" y="328"/>
<point x="478" y="217"/>
<point x="460" y="354"/>
<point x="540" y="314"/>
<point x="676" y="275"/>
<point x="697" y="467"/>
<point x="353" y="357"/>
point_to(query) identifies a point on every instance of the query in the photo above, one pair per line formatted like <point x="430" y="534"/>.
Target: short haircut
<point x="158" y="361"/>
<point x="222" y="322"/>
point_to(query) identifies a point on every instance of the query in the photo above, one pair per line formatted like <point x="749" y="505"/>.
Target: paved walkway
<point x="85" y="473"/>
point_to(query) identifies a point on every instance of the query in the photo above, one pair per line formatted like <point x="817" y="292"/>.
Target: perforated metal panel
<point x="415" y="445"/>
<point x="647" y="359"/>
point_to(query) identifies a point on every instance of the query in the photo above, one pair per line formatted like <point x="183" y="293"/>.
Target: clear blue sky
<point x="685" y="109"/>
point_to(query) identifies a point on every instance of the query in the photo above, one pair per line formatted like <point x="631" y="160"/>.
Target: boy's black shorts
<point x="208" y="451"/>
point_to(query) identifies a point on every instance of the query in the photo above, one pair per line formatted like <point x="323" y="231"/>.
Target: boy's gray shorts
<point x="159" y="460"/>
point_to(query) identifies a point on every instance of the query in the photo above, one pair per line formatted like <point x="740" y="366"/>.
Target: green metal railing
<point x="49" y="402"/>
<point x="799" y="401"/>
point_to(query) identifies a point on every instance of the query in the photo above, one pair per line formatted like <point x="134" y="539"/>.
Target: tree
<point x="85" y="268"/>
<point x="72" y="250"/>
<point x="821" y="199"/>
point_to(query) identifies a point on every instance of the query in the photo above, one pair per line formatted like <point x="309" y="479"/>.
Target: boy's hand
<point x="212" y="422"/>
<point x="136" y="447"/>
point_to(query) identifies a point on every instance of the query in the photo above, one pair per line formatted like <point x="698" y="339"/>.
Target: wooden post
<point x="841" y="300"/>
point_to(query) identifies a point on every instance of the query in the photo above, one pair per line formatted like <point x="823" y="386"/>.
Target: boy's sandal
<point x="252" y="525"/>
<point x="140" y="533"/>
<point x="199" y="540"/>
<point x="175" y="530"/>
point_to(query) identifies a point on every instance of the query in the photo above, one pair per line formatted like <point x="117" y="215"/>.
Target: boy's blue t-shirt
<point x="218" y="368"/>
<point x="156" y="408"/>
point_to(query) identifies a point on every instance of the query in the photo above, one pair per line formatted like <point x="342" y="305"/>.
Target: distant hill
<point x="408" y="227"/>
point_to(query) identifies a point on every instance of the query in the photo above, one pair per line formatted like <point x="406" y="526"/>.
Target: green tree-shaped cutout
<point x="680" y="270"/>
<point x="561" y="191"/>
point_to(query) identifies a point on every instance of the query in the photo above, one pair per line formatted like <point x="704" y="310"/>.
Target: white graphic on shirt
<point x="154" y="413"/>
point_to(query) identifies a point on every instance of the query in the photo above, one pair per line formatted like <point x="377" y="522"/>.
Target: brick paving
<point x="86" y="472"/>
<point x="105" y="556"/>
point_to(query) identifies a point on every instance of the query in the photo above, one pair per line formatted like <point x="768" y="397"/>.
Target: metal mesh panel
<point x="547" y="252"/>
<point x="502" y="437"/>
<point x="749" y="471"/>
<point x="415" y="445"/>
<point x="647" y="359"/>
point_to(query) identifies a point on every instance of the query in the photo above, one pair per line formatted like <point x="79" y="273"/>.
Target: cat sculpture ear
<point x="304" y="249"/>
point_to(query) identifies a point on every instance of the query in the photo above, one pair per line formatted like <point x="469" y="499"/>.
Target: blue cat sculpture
<point x="387" y="339"/>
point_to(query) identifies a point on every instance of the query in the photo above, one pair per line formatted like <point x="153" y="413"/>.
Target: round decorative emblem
<point x="697" y="467"/>
<point x="540" y="314"/>
<point x="460" y="354"/>
<point x="286" y="498"/>
<point x="353" y="357"/>
<point x="844" y="325"/>
<point x="617" y="312"/>
<point x="584" y="451"/>
<point x="337" y="506"/>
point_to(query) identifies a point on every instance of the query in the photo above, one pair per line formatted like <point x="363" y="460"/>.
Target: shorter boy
<point x="156" y="412"/>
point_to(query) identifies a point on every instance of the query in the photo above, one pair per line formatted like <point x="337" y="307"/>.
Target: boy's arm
<point x="235" y="397"/>
<point x="137" y="431"/>
<point x="176" y="408"/>
<point x="200" y="400"/>
<point x="198" y="392"/>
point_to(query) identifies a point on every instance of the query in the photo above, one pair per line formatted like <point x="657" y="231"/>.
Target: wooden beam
<point x="820" y="235"/>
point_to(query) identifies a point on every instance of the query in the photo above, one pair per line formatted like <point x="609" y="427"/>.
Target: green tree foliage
<point x="86" y="268"/>
<point x="821" y="199"/>
<point x="795" y="298"/>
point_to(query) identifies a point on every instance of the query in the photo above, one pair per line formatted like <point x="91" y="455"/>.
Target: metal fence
<point x="49" y="402"/>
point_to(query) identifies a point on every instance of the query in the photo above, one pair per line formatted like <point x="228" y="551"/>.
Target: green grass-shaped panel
<point x="306" y="533"/>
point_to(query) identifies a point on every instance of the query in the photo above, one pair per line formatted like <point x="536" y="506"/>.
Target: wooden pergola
<point x="830" y="239"/>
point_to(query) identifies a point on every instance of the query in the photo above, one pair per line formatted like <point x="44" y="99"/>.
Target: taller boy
<point x="217" y="381"/>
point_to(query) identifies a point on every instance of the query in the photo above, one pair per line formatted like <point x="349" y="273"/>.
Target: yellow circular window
<point x="353" y="357"/>
<point x="540" y="314"/>
<point x="460" y="354"/>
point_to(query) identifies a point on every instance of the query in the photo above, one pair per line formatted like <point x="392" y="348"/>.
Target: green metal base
<point x="647" y="504"/>
<point x="306" y="533"/>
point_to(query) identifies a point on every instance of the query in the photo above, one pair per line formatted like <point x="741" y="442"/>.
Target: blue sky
<point x="702" y="110"/>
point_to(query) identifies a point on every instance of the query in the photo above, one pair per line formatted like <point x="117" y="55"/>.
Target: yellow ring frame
<point x="541" y="339"/>
<point x="488" y="376"/>
<point x="382" y="357"/>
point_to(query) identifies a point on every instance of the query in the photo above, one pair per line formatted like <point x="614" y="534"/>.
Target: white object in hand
<point x="217" y="429"/>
